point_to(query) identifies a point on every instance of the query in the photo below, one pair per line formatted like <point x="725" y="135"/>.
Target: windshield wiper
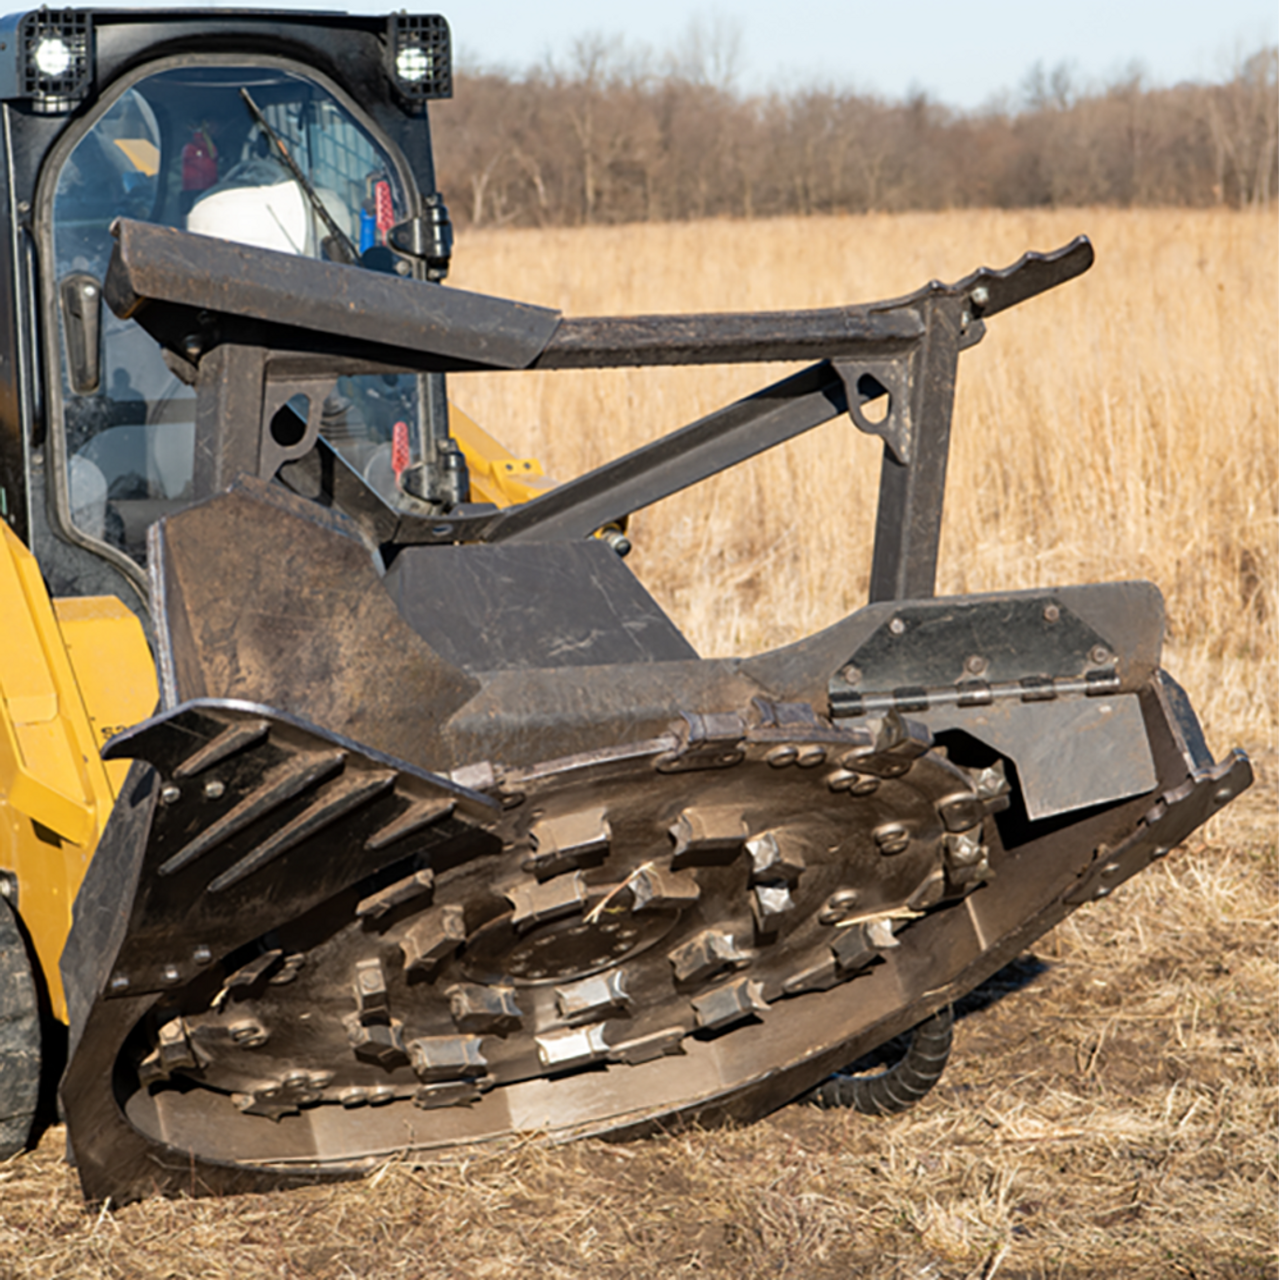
<point x="337" y="245"/>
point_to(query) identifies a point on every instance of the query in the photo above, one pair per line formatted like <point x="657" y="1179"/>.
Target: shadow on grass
<point x="1013" y="977"/>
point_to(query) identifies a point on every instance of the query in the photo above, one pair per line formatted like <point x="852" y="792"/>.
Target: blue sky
<point x="961" y="53"/>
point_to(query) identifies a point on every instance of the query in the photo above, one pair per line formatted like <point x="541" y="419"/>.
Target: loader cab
<point x="306" y="136"/>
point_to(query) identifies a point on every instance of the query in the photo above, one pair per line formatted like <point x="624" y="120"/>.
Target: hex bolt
<point x="1051" y="613"/>
<point x="892" y="838"/>
<point x="214" y="790"/>
<point x="169" y="794"/>
<point x="839" y="906"/>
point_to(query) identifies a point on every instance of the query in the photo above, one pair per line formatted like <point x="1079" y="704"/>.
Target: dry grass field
<point x="1110" y="1108"/>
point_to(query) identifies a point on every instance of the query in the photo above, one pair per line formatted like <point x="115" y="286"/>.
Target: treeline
<point x="606" y="141"/>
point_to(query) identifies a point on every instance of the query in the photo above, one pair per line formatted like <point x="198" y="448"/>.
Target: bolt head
<point x="169" y="794"/>
<point x="214" y="790"/>
<point x="1051" y="613"/>
<point x="897" y="626"/>
<point x="980" y="296"/>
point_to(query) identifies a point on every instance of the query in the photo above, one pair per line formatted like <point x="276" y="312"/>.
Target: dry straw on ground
<point x="1110" y="1109"/>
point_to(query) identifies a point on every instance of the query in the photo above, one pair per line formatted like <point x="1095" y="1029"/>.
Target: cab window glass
<point x="193" y="148"/>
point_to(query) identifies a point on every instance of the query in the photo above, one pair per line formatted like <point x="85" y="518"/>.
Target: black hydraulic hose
<point x="901" y="1085"/>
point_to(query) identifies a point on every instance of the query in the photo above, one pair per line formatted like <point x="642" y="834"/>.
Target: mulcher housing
<point x="442" y="832"/>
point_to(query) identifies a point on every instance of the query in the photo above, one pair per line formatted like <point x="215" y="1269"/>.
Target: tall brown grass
<point x="1125" y="425"/>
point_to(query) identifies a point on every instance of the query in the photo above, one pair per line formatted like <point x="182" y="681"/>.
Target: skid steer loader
<point x="354" y="795"/>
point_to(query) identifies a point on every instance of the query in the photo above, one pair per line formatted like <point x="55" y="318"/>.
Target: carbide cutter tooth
<point x="371" y="996"/>
<point x="657" y="1044"/>
<point x="564" y="1050"/>
<point x="456" y="1093"/>
<point x="771" y="902"/>
<point x="537" y="903"/>
<point x="175" y="1046"/>
<point x="379" y="1042"/>
<point x="705" y="954"/>
<point x="433" y="938"/>
<point x="567" y="841"/>
<point x="594" y="996"/>
<point x="775" y="856"/>
<point x="728" y="1004"/>
<point x="852" y="948"/>
<point x="476" y="1008"/>
<point x="376" y="905"/>
<point x="256" y="969"/>
<point x="655" y="887"/>
<point x="436" y="1058"/>
<point x="708" y="836"/>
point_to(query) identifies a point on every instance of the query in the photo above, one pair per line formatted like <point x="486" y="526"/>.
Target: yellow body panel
<point x="71" y="675"/>
<point x="497" y="475"/>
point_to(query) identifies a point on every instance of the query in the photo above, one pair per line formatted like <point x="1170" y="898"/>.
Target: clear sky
<point x="960" y="52"/>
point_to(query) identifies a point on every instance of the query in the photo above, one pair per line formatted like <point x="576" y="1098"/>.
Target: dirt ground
<point x="1109" y="1111"/>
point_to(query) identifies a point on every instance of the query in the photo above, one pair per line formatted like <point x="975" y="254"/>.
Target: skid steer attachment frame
<point x="443" y="832"/>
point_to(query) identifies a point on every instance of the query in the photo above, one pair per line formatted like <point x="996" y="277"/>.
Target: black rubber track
<point x="900" y="1086"/>
<point x="19" y="1037"/>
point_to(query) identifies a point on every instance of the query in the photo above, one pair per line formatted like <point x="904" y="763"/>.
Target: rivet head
<point x="169" y="794"/>
<point x="202" y="955"/>
<point x="214" y="790"/>
<point x="1222" y="794"/>
<point x="170" y="973"/>
<point x="1051" y="613"/>
<point x="1099" y="655"/>
<point x="897" y="626"/>
<point x="120" y="982"/>
<point x="980" y="296"/>
<point x="975" y="664"/>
